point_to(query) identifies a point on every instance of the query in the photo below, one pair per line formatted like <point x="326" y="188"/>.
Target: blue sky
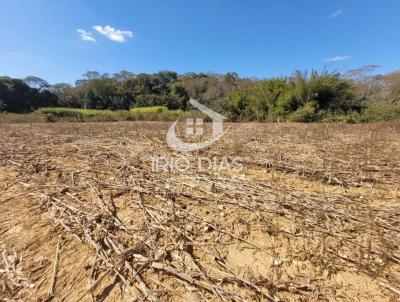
<point x="259" y="38"/>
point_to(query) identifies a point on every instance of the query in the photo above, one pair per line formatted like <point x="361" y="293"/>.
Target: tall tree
<point x="36" y="82"/>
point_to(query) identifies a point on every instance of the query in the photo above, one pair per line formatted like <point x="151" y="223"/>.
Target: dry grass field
<point x="314" y="215"/>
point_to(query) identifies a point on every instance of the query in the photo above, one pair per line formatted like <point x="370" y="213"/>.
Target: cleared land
<point x="313" y="216"/>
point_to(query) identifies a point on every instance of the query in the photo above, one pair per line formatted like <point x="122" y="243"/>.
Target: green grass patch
<point x="82" y="115"/>
<point x="70" y="111"/>
<point x="155" y="113"/>
<point x="150" y="109"/>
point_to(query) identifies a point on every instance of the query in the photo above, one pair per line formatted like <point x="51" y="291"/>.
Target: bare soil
<point x="314" y="214"/>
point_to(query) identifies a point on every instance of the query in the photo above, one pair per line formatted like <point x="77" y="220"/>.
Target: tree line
<point x="301" y="97"/>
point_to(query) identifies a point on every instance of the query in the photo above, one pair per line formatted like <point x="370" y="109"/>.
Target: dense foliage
<point x="353" y="97"/>
<point x="298" y="98"/>
<point x="17" y="96"/>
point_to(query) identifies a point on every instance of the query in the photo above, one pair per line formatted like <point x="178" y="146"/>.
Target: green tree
<point x="36" y="82"/>
<point x="181" y="95"/>
<point x="15" y="95"/>
<point x="67" y="95"/>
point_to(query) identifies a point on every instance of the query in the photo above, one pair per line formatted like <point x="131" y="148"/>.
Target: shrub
<point x="381" y="111"/>
<point x="236" y="105"/>
<point x="50" y="118"/>
<point x="305" y="114"/>
<point x="350" y="118"/>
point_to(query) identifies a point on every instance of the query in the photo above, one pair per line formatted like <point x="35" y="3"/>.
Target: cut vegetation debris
<point x="313" y="216"/>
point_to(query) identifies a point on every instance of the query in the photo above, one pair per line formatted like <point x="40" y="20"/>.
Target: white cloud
<point x="338" y="58"/>
<point x="113" y="34"/>
<point x="86" y="36"/>
<point x="336" y="13"/>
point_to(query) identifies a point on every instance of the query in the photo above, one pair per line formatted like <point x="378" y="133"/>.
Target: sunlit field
<point x="313" y="215"/>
